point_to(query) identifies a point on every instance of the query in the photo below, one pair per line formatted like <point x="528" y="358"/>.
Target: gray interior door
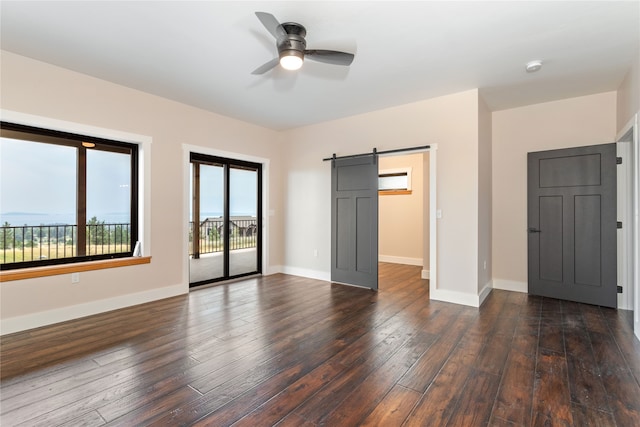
<point x="572" y="224"/>
<point x="354" y="221"/>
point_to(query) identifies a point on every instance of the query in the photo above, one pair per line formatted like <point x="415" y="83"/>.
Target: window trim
<point x="59" y="269"/>
<point x="142" y="163"/>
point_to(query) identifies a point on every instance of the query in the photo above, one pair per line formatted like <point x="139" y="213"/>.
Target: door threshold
<point x="223" y="282"/>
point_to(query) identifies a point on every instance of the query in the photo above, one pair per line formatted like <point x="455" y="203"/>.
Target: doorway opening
<point x="225" y="220"/>
<point x="422" y="249"/>
<point x="404" y="211"/>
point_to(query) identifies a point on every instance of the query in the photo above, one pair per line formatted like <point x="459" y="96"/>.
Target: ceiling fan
<point x="292" y="47"/>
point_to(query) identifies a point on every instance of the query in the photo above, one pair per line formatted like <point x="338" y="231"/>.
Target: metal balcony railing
<point x="39" y="242"/>
<point x="243" y="235"/>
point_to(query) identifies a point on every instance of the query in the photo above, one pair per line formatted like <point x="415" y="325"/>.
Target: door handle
<point x="533" y="230"/>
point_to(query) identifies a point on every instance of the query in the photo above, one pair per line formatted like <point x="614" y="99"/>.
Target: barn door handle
<point x="534" y="230"/>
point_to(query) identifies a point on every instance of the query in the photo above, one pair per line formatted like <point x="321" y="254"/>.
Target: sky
<point x="41" y="178"/>
<point x="243" y="190"/>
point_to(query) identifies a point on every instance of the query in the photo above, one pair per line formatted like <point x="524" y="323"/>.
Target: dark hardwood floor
<point x="299" y="352"/>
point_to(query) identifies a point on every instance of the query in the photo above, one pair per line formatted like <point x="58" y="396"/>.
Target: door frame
<point x="630" y="252"/>
<point x="187" y="149"/>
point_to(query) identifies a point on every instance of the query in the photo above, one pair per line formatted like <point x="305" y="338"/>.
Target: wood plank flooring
<point x="289" y="351"/>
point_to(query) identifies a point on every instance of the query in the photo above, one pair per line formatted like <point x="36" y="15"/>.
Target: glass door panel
<point x="206" y="260"/>
<point x="243" y="221"/>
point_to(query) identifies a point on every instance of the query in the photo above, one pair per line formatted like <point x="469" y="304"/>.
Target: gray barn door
<point x="572" y="224"/>
<point x="354" y="221"/>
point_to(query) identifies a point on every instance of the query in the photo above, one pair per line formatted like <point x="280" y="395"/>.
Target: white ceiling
<point x="202" y="53"/>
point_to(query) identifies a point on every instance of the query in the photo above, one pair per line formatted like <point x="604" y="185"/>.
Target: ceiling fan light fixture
<point x="291" y="59"/>
<point x="533" y="66"/>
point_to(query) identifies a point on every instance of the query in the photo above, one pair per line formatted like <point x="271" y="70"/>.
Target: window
<point x="394" y="181"/>
<point x="65" y="197"/>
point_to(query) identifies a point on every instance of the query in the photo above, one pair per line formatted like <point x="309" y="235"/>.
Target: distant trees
<point x="95" y="231"/>
<point x="6" y="236"/>
<point x="121" y="234"/>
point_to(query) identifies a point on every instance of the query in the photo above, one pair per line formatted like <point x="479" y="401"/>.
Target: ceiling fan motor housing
<point x="293" y="43"/>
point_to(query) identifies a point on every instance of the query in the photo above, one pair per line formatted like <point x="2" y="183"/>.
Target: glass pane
<point x="108" y="202"/>
<point x="38" y="201"/>
<point x="206" y="260"/>
<point x="243" y="211"/>
<point x="393" y="182"/>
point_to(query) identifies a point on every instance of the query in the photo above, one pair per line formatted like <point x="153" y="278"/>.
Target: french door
<point x="225" y="224"/>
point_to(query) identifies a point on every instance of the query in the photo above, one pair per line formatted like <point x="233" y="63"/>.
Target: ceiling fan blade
<point x="266" y="66"/>
<point x="271" y="24"/>
<point x="330" y="56"/>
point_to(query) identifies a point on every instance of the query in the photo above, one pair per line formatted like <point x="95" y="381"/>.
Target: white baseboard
<point x="455" y="297"/>
<point x="400" y="260"/>
<point x="624" y="302"/>
<point x="510" y="285"/>
<point x="425" y="274"/>
<point x="308" y="273"/>
<point x="484" y="293"/>
<point x="273" y="269"/>
<point x="49" y="317"/>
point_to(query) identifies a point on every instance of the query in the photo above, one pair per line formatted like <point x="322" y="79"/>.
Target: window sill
<point x="54" y="270"/>
<point x="393" y="192"/>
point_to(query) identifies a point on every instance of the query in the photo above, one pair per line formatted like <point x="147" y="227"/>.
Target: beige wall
<point x="400" y="231"/>
<point x="35" y="88"/>
<point x="628" y="100"/>
<point x="571" y="122"/>
<point x="484" y="197"/>
<point x="451" y="122"/>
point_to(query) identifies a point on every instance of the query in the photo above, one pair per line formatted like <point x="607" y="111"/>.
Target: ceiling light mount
<point x="533" y="66"/>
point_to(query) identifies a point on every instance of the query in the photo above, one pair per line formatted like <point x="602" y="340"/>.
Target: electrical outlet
<point x="315" y="253"/>
<point x="75" y="277"/>
<point x="485" y="265"/>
